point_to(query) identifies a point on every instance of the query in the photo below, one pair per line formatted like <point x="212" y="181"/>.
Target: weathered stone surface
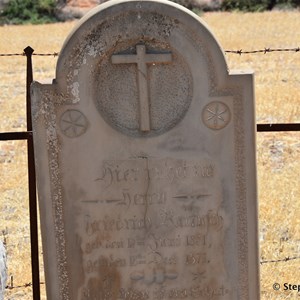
<point x="145" y="150"/>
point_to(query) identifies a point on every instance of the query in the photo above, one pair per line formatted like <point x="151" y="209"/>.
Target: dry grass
<point x="277" y="98"/>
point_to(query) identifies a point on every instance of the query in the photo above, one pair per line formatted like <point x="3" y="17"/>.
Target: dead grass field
<point x="278" y="154"/>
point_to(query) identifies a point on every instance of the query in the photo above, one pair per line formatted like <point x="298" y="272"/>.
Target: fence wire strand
<point x="264" y="51"/>
<point x="279" y="260"/>
<point x="12" y="54"/>
<point x="239" y="52"/>
<point x="29" y="284"/>
<point x="25" y="285"/>
<point x="54" y="54"/>
<point x="11" y="286"/>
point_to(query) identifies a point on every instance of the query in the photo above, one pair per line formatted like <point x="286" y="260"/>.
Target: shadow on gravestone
<point x="145" y="156"/>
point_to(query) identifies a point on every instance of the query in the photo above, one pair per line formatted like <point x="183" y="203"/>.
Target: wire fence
<point x="239" y="52"/>
<point x="264" y="51"/>
<point x="23" y="286"/>
<point x="279" y="260"/>
<point x="11" y="285"/>
<point x="28" y="136"/>
<point x="54" y="54"/>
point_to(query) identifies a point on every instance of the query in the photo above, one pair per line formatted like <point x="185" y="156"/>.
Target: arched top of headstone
<point x="118" y="26"/>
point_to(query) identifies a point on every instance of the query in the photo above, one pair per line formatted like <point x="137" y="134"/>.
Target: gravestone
<point x="145" y="155"/>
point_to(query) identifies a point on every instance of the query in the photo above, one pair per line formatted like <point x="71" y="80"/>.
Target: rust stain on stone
<point x="106" y="285"/>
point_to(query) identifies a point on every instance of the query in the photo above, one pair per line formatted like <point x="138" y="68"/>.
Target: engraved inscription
<point x="208" y="292"/>
<point x="216" y="115"/>
<point x="166" y="218"/>
<point x="114" y="173"/>
<point x="158" y="276"/>
<point x="141" y="58"/>
<point x="129" y="199"/>
<point x="210" y="220"/>
<point x="161" y="226"/>
<point x="73" y="123"/>
<point x="196" y="258"/>
<point x="110" y="224"/>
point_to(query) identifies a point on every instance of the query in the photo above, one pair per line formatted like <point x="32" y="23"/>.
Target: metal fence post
<point x="32" y="184"/>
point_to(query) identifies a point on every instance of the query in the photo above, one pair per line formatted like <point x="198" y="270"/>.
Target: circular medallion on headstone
<point x="143" y="88"/>
<point x="73" y="123"/>
<point x="216" y="115"/>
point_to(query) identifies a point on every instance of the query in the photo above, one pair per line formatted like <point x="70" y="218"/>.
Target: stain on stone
<point x="105" y="286"/>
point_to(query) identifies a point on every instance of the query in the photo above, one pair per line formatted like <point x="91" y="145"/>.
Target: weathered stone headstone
<point x="145" y="151"/>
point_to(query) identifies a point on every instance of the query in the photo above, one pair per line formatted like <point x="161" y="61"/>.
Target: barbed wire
<point x="264" y="51"/>
<point x="12" y="54"/>
<point x="54" y="54"/>
<point x="25" y="285"/>
<point x="239" y="52"/>
<point x="46" y="54"/>
<point x="29" y="284"/>
<point x="279" y="260"/>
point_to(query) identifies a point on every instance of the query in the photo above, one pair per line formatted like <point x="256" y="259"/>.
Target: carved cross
<point x="141" y="58"/>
